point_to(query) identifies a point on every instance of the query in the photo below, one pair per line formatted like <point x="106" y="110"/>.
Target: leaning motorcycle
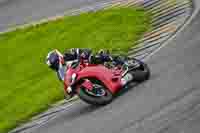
<point x="97" y="83"/>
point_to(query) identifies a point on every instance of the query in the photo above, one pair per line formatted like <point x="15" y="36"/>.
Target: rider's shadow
<point x="126" y="89"/>
<point x="129" y="87"/>
<point x="84" y="109"/>
<point x="87" y="108"/>
<point x="133" y="85"/>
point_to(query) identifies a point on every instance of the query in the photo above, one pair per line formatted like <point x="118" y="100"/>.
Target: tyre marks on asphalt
<point x="168" y="17"/>
<point x="172" y="117"/>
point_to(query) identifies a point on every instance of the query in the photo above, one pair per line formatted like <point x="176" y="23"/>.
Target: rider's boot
<point x="118" y="60"/>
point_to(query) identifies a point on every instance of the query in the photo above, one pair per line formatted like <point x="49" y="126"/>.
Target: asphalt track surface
<point x="167" y="103"/>
<point x="16" y="12"/>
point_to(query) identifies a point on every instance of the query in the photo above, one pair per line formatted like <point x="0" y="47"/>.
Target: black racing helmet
<point x="52" y="60"/>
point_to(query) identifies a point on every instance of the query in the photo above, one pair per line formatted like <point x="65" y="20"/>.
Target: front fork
<point x="68" y="91"/>
<point x="71" y="89"/>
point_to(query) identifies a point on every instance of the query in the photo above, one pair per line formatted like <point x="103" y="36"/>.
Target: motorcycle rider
<point x="57" y="61"/>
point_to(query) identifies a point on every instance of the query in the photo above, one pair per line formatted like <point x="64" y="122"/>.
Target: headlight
<point x="73" y="78"/>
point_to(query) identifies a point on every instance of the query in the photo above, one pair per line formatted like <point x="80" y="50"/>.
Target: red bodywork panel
<point x="103" y="74"/>
<point x="87" y="84"/>
<point x="111" y="78"/>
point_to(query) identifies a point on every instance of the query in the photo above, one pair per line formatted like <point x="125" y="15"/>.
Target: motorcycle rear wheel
<point x="142" y="73"/>
<point x="92" y="99"/>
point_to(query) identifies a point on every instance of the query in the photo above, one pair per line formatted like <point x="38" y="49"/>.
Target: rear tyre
<point x="95" y="100"/>
<point x="142" y="73"/>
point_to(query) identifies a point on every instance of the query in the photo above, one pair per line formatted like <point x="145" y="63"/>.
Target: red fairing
<point x="87" y="84"/>
<point x="104" y="75"/>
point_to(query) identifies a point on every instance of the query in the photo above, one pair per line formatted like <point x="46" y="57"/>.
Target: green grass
<point x="27" y="86"/>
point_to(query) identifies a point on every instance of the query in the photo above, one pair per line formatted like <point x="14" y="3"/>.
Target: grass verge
<point x="27" y="86"/>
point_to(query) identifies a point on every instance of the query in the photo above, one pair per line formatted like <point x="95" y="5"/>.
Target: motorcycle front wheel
<point x="99" y="95"/>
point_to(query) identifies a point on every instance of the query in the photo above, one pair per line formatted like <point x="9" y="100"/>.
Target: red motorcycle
<point x="98" y="83"/>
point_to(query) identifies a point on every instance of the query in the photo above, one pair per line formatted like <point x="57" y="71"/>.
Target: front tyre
<point x="103" y="97"/>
